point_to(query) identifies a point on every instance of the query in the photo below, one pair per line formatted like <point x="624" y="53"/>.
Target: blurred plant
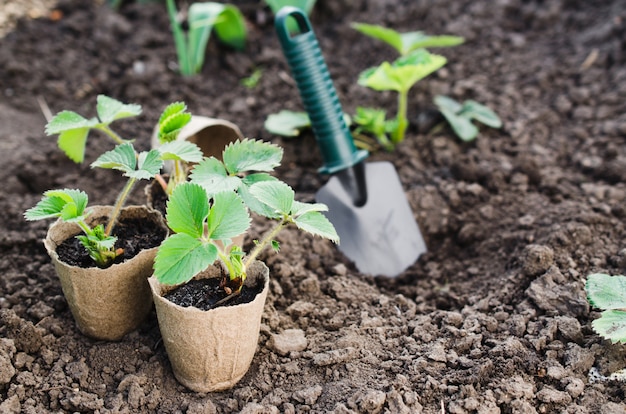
<point x="70" y="205"/>
<point x="414" y="63"/>
<point x="608" y="293"/>
<point x="73" y="129"/>
<point x="181" y="153"/>
<point x="400" y="76"/>
<point x="212" y="209"/>
<point x="405" y="43"/>
<point x="460" y="116"/>
<point x="287" y="123"/>
<point x="202" y="18"/>
<point x="252" y="81"/>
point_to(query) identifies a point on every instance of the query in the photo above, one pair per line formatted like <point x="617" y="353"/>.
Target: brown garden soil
<point x="492" y="319"/>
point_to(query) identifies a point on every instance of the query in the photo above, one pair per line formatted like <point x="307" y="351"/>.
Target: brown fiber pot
<point x="211" y="350"/>
<point x="106" y="303"/>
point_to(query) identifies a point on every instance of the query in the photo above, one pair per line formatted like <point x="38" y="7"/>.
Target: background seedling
<point x="171" y="122"/>
<point x="400" y="76"/>
<point x="73" y="129"/>
<point x="405" y="43"/>
<point x="608" y="293"/>
<point x="213" y="208"/>
<point x="70" y="205"/>
<point x="460" y="116"/>
<point x="227" y="21"/>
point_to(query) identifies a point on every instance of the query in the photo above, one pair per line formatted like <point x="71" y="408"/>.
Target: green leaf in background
<point x="403" y="73"/>
<point x="228" y="216"/>
<point x="462" y="126"/>
<point x="460" y="116"/>
<point x="181" y="257"/>
<point x="73" y="130"/>
<point x="181" y="151"/>
<point x="229" y="25"/>
<point x="275" y="194"/>
<point x="405" y="43"/>
<point x="445" y="102"/>
<point x="287" y="123"/>
<point x="481" y="113"/>
<point x="187" y="209"/>
<point x="110" y="109"/>
<point x="316" y="223"/>
<point x="251" y="155"/>
<point x="211" y="174"/>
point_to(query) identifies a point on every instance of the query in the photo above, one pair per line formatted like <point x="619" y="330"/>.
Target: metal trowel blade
<point x="381" y="237"/>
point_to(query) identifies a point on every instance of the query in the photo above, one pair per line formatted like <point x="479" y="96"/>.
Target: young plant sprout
<point x="405" y="43"/>
<point x="400" y="76"/>
<point x="212" y="209"/>
<point x="608" y="293"/>
<point x="70" y="205"/>
<point x="171" y="122"/>
<point x="460" y="116"/>
<point x="287" y="123"/>
<point x="202" y="18"/>
<point x="73" y="129"/>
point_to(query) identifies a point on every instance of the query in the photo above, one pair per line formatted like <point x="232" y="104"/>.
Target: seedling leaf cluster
<point x="214" y="207"/>
<point x="202" y="18"/>
<point x="70" y="205"/>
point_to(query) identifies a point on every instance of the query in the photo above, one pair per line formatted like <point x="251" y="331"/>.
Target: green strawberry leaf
<point x="181" y="151"/>
<point x="187" y="209"/>
<point x="211" y="174"/>
<point x="481" y="113"/>
<point x="299" y="208"/>
<point x="123" y="157"/>
<point x="110" y="109"/>
<point x="66" y="203"/>
<point x="251" y="155"/>
<point x="148" y="165"/>
<point x="181" y="257"/>
<point x="170" y="127"/>
<point x="606" y="292"/>
<point x="228" y="216"/>
<point x="611" y="325"/>
<point x="461" y="126"/>
<point x="275" y="194"/>
<point x="316" y="223"/>
<point x="253" y="204"/>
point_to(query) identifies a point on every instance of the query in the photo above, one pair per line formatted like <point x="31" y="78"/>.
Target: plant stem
<point x="121" y="199"/>
<point x="263" y="243"/>
<point x="398" y="135"/>
<point x="161" y="182"/>
<point x="112" y="134"/>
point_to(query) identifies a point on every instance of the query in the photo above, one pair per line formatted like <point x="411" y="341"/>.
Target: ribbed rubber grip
<point x="318" y="93"/>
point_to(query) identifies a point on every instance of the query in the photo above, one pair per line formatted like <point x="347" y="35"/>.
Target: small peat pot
<point x="212" y="135"/>
<point x="211" y="350"/>
<point x="108" y="303"/>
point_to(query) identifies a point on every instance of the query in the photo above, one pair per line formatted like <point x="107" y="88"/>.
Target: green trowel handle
<point x="317" y="92"/>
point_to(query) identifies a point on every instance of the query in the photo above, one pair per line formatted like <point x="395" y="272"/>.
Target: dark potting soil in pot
<point x="157" y="196"/>
<point x="133" y="235"/>
<point x="205" y="293"/>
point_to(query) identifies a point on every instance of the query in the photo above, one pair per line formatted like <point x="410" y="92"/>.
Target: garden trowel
<point x="366" y="202"/>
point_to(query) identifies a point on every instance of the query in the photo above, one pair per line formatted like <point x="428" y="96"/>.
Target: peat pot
<point x="106" y="303"/>
<point x="211" y="350"/>
<point x="212" y="135"/>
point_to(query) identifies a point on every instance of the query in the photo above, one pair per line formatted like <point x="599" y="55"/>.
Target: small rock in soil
<point x="290" y="340"/>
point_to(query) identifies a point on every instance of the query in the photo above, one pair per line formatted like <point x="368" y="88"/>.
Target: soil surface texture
<point x="492" y="319"/>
